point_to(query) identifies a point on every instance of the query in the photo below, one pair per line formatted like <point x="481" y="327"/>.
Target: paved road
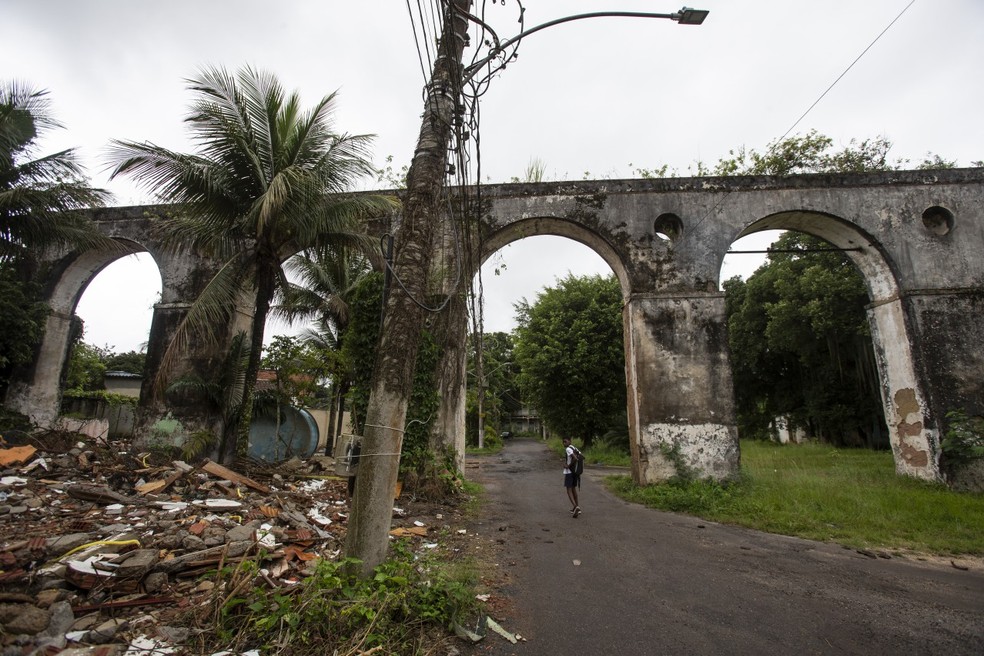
<point x="650" y="582"/>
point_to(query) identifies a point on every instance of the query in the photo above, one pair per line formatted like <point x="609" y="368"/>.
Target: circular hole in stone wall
<point x="668" y="226"/>
<point x="938" y="220"/>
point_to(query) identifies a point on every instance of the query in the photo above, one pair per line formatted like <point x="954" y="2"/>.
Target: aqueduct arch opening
<point x="117" y="306"/>
<point x="915" y="447"/>
<point x="547" y="251"/>
<point x="557" y="227"/>
<point x="39" y="388"/>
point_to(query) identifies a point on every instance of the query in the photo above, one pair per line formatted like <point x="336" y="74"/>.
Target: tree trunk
<point x="333" y="411"/>
<point x="237" y="433"/>
<point x="399" y="340"/>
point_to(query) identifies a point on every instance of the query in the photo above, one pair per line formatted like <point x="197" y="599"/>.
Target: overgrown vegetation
<point x="424" y="471"/>
<point x="849" y="496"/>
<point x="409" y="603"/>
<point x="267" y="178"/>
<point x="40" y="199"/>
<point x="963" y="442"/>
<point x="22" y="318"/>
<point x="109" y="398"/>
<point x="12" y="421"/>
<point x="499" y="380"/>
<point x="569" y="348"/>
<point x="801" y="347"/>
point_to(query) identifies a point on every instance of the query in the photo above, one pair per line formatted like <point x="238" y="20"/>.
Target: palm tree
<point x="39" y="202"/>
<point x="268" y="180"/>
<point x="327" y="278"/>
<point x="39" y="198"/>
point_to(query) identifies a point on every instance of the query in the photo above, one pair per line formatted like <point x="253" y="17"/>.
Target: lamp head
<point x="688" y="16"/>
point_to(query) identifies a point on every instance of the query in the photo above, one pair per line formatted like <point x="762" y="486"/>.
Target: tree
<point x="39" y="202"/>
<point x="268" y="180"/>
<point x="499" y="374"/>
<point x="22" y="317"/>
<point x="801" y="348"/>
<point x="86" y="369"/>
<point x="299" y="367"/>
<point x="327" y="280"/>
<point x="39" y="198"/>
<point x="132" y="362"/>
<point x="569" y="349"/>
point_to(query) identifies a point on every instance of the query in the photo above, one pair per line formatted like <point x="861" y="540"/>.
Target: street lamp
<point x="686" y="16"/>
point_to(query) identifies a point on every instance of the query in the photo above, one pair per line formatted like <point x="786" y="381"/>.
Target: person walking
<point x="572" y="480"/>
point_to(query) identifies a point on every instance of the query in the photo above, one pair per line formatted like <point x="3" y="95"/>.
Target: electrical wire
<point x="775" y="144"/>
<point x="420" y="56"/>
<point x="856" y="60"/>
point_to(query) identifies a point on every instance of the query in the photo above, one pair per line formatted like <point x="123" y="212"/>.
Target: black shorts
<point x="571" y="480"/>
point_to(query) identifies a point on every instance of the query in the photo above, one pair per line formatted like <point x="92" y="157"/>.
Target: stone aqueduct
<point x="916" y="236"/>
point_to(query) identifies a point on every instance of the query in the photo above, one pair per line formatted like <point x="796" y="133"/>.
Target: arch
<point x="871" y="259"/>
<point x="38" y="393"/>
<point x="915" y="446"/>
<point x="558" y="227"/>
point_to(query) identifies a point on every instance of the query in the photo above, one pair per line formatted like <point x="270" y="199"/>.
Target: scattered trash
<point x="472" y="636"/>
<point x="501" y="631"/>
<point x="102" y="550"/>
<point x="404" y="531"/>
<point x="17" y="455"/>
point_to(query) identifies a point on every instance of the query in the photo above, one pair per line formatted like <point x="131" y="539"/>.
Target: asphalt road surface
<point x="623" y="579"/>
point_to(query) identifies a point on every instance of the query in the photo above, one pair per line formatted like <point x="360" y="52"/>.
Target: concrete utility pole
<point x="414" y="244"/>
<point x="480" y="375"/>
<point x="399" y="340"/>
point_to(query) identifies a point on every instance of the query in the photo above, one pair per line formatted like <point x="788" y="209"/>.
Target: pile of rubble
<point x="102" y="551"/>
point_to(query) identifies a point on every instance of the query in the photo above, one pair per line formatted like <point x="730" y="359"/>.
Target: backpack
<point x="577" y="462"/>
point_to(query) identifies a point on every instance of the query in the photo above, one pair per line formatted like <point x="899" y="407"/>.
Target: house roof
<point x="121" y="374"/>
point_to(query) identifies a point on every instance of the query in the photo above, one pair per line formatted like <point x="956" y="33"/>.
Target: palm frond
<point x="213" y="309"/>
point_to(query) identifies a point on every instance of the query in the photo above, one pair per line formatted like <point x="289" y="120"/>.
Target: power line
<point x="777" y="142"/>
<point x="834" y="83"/>
<point x="416" y="41"/>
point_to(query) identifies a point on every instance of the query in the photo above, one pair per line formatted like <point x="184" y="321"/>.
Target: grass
<point x="407" y="606"/>
<point x="598" y="454"/>
<point x="848" y="496"/>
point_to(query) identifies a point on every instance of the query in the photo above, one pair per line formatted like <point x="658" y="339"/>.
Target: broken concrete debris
<point x="103" y="551"/>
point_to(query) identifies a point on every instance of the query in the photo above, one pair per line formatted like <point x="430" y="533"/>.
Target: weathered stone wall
<point x="950" y="325"/>
<point x="912" y="234"/>
<point x="679" y="384"/>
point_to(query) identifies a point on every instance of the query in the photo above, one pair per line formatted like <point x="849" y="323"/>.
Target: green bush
<point x="964" y="438"/>
<point x="336" y="611"/>
<point x="111" y="398"/>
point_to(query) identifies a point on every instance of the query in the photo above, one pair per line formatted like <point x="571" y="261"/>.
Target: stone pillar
<point x="680" y="396"/>
<point x="171" y="416"/>
<point x="913" y="435"/>
<point x="37" y="393"/>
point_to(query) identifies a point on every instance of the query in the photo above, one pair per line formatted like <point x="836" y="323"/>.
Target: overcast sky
<point x="600" y="97"/>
